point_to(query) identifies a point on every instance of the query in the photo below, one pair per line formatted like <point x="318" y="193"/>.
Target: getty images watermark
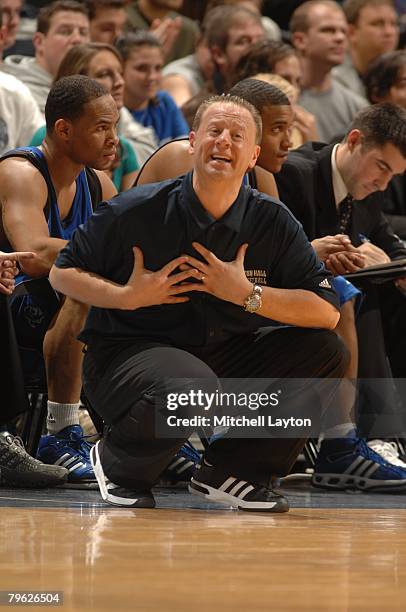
<point x="224" y="400"/>
<point x="252" y="407"/>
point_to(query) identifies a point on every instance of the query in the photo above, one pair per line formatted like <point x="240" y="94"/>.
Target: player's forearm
<point x="89" y="288"/>
<point x="47" y="251"/>
<point x="298" y="307"/>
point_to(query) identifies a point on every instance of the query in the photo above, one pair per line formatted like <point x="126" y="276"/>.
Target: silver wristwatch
<point x="254" y="300"/>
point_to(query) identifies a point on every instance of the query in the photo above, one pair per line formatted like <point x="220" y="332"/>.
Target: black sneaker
<point x="211" y="483"/>
<point x="114" y="494"/>
<point x="19" y="469"/>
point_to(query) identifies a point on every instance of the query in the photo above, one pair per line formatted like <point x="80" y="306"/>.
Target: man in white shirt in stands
<point x="19" y="114"/>
<point x="319" y="33"/>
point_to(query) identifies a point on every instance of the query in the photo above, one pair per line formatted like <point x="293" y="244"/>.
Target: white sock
<point x="345" y="430"/>
<point x="61" y="416"/>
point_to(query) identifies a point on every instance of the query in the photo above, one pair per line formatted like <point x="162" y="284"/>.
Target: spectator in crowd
<point x="108" y="19"/>
<point x="272" y="30"/>
<point x="232" y="31"/>
<point x="45" y="194"/>
<point x="189" y="75"/>
<point x="227" y="33"/>
<point x="183" y="237"/>
<point x="17" y="467"/>
<point x="373" y="29"/>
<point x="143" y="61"/>
<point x="60" y="26"/>
<point x="178" y="34"/>
<point x="19" y="114"/>
<point x="102" y="62"/>
<point x="281" y="59"/>
<point x="11" y="11"/>
<point x="385" y="79"/>
<point x="319" y="33"/>
<point x="269" y="56"/>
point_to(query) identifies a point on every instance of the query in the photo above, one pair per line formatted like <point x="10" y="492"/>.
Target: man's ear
<point x="354" y="138"/>
<point x="351" y="32"/>
<point x="37" y="40"/>
<point x="218" y="55"/>
<point x="298" y="40"/>
<point x="63" y="129"/>
<point x="192" y="139"/>
<point x="254" y="158"/>
<point x="3" y="35"/>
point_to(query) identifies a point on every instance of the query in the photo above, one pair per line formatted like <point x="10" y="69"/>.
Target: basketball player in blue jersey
<point x="45" y="194"/>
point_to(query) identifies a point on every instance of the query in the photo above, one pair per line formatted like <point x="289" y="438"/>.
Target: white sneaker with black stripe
<point x="213" y="484"/>
<point x="115" y="494"/>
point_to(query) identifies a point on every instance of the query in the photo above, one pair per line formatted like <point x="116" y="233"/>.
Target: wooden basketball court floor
<point x="331" y="552"/>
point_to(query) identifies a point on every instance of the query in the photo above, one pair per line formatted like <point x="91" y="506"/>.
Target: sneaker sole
<point x="342" y="482"/>
<point x="107" y="496"/>
<point x="204" y="490"/>
<point x="90" y="485"/>
<point x="25" y="481"/>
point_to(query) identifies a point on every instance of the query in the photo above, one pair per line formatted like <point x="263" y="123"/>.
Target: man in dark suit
<point x="338" y="189"/>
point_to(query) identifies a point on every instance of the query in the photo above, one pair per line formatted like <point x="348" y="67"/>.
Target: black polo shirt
<point x="163" y="219"/>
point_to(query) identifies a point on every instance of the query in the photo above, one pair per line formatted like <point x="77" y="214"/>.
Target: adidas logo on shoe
<point x="235" y="492"/>
<point x="352" y="464"/>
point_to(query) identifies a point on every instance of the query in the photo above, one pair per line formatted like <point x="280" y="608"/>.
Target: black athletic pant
<point x="122" y="381"/>
<point x="380" y="413"/>
<point x="14" y="397"/>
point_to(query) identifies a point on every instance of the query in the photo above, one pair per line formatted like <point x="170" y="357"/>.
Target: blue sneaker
<point x="349" y="463"/>
<point x="70" y="449"/>
<point x="182" y="466"/>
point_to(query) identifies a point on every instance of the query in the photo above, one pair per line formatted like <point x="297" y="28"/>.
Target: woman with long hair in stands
<point x="101" y="62"/>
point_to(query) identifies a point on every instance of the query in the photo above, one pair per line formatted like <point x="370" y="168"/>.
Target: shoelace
<point x="382" y="446"/>
<point x="388" y="450"/>
<point x="373" y="455"/>
<point x="189" y="452"/>
<point x="15" y="440"/>
<point x="18" y="444"/>
<point x="10" y="439"/>
<point x="79" y="443"/>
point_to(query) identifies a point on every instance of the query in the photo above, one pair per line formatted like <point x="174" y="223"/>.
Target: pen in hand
<point x="363" y="238"/>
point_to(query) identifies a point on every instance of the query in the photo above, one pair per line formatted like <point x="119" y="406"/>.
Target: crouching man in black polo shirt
<point x="166" y="267"/>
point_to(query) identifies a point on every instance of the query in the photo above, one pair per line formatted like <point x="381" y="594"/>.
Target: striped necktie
<point x="344" y="214"/>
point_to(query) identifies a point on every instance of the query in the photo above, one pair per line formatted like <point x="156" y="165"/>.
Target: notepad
<point x="381" y="273"/>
